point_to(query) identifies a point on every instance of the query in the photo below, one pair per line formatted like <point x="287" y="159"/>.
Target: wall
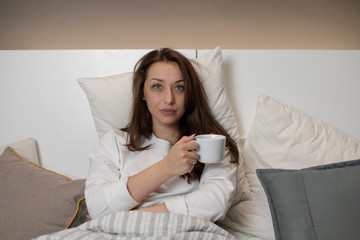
<point x="40" y="97"/>
<point x="187" y="24"/>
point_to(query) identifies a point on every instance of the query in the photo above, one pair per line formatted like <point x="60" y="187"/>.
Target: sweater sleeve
<point x="106" y="189"/>
<point x="214" y="196"/>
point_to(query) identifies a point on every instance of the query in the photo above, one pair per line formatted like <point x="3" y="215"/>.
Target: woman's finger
<point x="191" y="146"/>
<point x="193" y="155"/>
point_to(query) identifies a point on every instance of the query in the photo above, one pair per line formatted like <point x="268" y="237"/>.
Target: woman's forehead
<point x="164" y="71"/>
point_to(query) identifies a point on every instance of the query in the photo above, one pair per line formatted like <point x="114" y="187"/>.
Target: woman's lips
<point x="168" y="112"/>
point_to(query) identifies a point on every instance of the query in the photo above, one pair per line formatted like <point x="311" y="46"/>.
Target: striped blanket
<point x="143" y="225"/>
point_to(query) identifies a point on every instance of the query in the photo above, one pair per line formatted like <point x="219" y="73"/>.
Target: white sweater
<point x="111" y="164"/>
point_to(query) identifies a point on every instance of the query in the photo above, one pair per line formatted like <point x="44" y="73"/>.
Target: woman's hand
<point x="181" y="158"/>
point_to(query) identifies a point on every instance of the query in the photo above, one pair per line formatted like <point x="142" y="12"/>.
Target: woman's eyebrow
<point x="156" y="79"/>
<point x="161" y="80"/>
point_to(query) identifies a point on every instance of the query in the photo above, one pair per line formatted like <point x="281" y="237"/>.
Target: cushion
<point x="26" y="148"/>
<point x="110" y="97"/>
<point x="320" y="203"/>
<point x="283" y="137"/>
<point x="110" y="100"/>
<point x="35" y="201"/>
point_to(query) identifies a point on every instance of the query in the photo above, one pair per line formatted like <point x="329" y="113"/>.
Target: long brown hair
<point x="197" y="118"/>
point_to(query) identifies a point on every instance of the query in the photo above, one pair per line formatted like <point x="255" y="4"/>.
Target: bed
<point x="293" y="113"/>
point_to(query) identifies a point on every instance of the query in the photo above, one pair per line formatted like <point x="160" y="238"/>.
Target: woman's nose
<point x="169" y="96"/>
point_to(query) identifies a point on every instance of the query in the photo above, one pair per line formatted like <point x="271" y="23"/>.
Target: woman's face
<point x="164" y="92"/>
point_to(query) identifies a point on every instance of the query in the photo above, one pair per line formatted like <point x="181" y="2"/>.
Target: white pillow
<point x="27" y="148"/>
<point x="110" y="100"/>
<point x="282" y="137"/>
<point x="110" y="97"/>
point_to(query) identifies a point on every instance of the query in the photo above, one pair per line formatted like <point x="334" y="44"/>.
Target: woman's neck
<point x="170" y="134"/>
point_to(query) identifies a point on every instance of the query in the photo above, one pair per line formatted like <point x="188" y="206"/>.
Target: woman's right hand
<point x="182" y="158"/>
<point x="179" y="161"/>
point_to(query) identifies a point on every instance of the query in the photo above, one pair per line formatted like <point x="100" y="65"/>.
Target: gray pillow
<point x="319" y="203"/>
<point x="35" y="201"/>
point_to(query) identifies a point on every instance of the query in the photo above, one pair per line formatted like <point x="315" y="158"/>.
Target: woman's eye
<point x="180" y="88"/>
<point x="156" y="86"/>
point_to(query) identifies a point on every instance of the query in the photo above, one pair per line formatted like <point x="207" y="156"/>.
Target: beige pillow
<point x="26" y="148"/>
<point x="35" y="201"/>
<point x="286" y="138"/>
<point x="110" y="97"/>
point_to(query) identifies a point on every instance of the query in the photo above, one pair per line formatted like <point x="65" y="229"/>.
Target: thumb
<point x="186" y="139"/>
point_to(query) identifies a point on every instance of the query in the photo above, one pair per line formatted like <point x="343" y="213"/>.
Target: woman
<point x="151" y="165"/>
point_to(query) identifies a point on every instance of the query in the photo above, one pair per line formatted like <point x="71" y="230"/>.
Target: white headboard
<point x="40" y="97"/>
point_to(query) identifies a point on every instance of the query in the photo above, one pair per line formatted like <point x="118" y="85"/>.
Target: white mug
<point x="211" y="147"/>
